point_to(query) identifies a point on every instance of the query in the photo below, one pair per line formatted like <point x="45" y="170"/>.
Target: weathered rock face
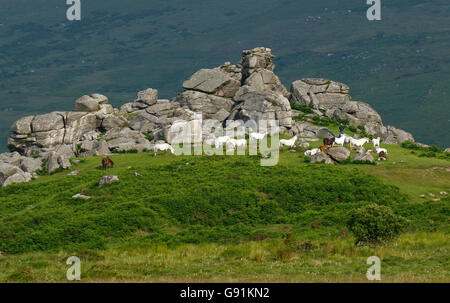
<point x="89" y="103"/>
<point x="10" y="174"/>
<point x="319" y="93"/>
<point x="257" y="105"/>
<point x="333" y="98"/>
<point x="212" y="107"/>
<point x="264" y="80"/>
<point x="447" y="150"/>
<point x="394" y="135"/>
<point x="213" y="81"/>
<point x="256" y="58"/>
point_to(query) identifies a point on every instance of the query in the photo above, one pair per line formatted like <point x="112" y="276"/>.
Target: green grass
<point x="224" y="219"/>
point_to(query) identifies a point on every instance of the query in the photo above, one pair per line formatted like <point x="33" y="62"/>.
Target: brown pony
<point x="107" y="161"/>
<point x="329" y="142"/>
<point x="382" y="156"/>
<point x="323" y="148"/>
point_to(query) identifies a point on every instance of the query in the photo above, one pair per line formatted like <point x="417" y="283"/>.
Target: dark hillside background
<point x="400" y="65"/>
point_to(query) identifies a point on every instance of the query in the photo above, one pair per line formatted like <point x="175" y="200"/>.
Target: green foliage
<point x="148" y="136"/>
<point x="303" y="108"/>
<point x="426" y="152"/>
<point x="129" y="151"/>
<point x="375" y="224"/>
<point x="194" y="199"/>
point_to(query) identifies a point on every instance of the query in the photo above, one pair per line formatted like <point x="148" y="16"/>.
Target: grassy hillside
<point x="224" y="219"/>
<point x="399" y="65"/>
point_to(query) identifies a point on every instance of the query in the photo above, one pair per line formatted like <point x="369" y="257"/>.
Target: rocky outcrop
<point x="256" y="58"/>
<point x="10" y="174"/>
<point x="333" y="98"/>
<point x="213" y="81"/>
<point x="90" y="103"/>
<point x="231" y="94"/>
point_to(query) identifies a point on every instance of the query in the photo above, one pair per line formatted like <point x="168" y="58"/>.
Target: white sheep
<point x="290" y="142"/>
<point x="312" y="152"/>
<point x="360" y="142"/>
<point x="164" y="147"/>
<point x="376" y="142"/>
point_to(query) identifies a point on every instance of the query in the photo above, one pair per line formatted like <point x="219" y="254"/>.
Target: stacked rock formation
<point x="334" y="98"/>
<point x="246" y="91"/>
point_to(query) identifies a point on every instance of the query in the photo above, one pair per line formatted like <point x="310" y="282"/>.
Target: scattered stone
<point x="319" y="157"/>
<point x="339" y="153"/>
<point x="136" y="174"/>
<point x="443" y="193"/>
<point x="74" y="173"/>
<point x="447" y="150"/>
<point x="432" y="195"/>
<point x="365" y="156"/>
<point x="108" y="179"/>
<point x="422" y="196"/>
<point x="81" y="196"/>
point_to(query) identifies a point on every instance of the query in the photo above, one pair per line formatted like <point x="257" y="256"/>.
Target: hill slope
<point x="399" y="65"/>
<point x="222" y="207"/>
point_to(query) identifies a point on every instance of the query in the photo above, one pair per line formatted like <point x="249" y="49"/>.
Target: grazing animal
<point x="234" y="143"/>
<point x="379" y="150"/>
<point x="107" y="162"/>
<point x="328" y="141"/>
<point x="340" y="141"/>
<point x="164" y="147"/>
<point x="382" y="156"/>
<point x="290" y="142"/>
<point x="376" y="142"/>
<point x="359" y="142"/>
<point x="257" y="136"/>
<point x="324" y="148"/>
<point x="312" y="152"/>
<point x="219" y="142"/>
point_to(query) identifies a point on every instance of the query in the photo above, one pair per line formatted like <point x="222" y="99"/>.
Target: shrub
<point x="303" y="108"/>
<point x="375" y="224"/>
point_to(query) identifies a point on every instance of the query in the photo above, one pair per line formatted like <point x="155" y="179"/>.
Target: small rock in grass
<point x="432" y="195"/>
<point x="74" y="173"/>
<point x="107" y="179"/>
<point x="136" y="174"/>
<point x="422" y="196"/>
<point x="81" y="196"/>
<point x="1" y="253"/>
<point x="76" y="161"/>
<point x="443" y="193"/>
